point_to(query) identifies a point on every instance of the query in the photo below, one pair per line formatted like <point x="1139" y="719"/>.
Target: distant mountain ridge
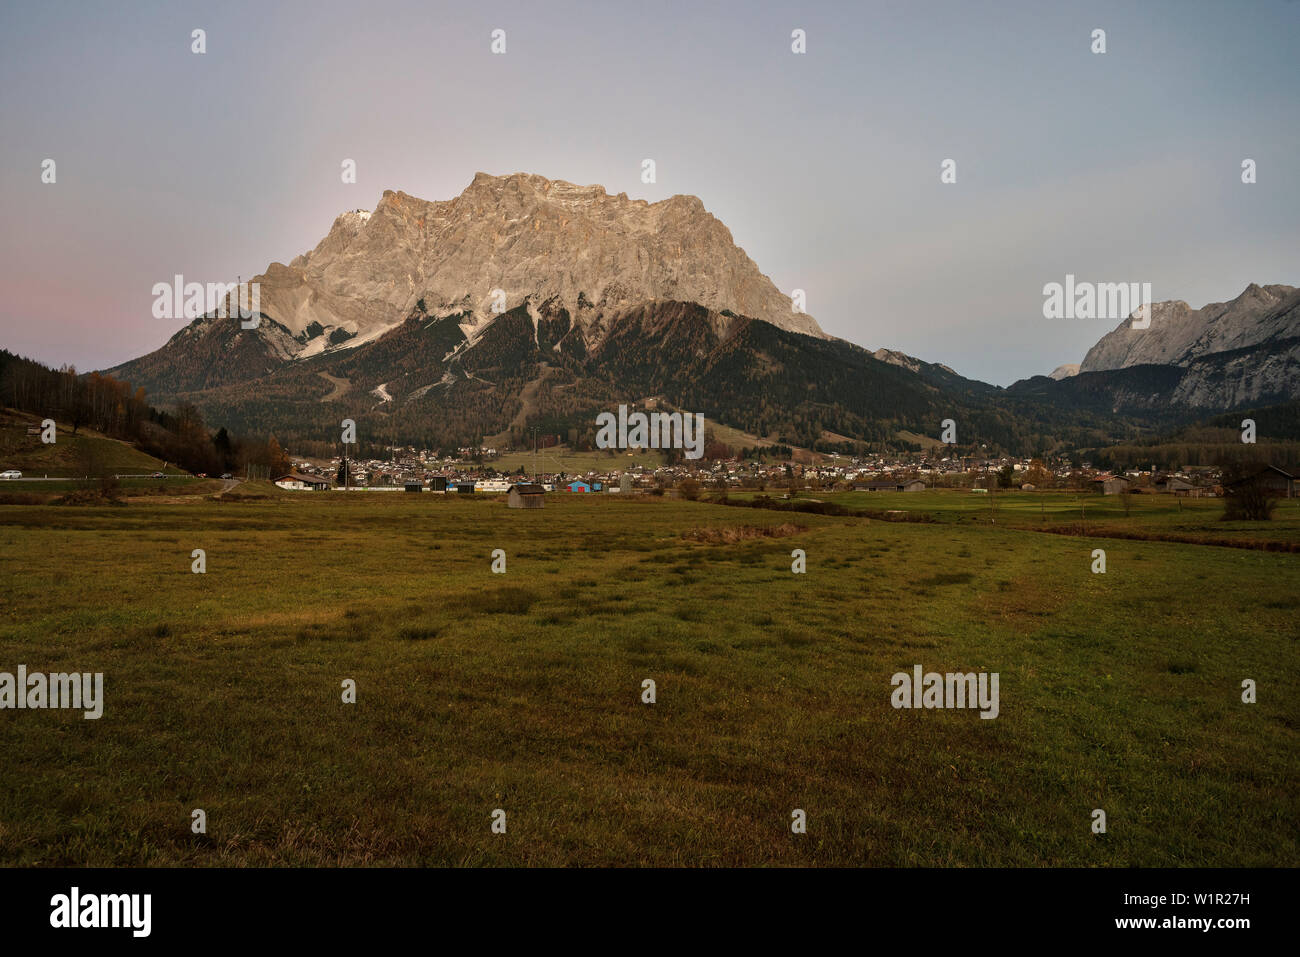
<point x="1178" y="334"/>
<point x="1227" y="355"/>
<point x="526" y="302"/>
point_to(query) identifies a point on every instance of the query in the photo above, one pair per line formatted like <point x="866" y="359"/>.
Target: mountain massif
<point x="508" y="241"/>
<point x="527" y="302"/>
<point x="1188" y="364"/>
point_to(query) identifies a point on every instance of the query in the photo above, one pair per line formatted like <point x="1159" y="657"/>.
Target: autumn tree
<point x="276" y="458"/>
<point x="1037" y="474"/>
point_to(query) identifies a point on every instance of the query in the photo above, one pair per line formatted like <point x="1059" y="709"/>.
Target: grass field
<point x="521" y="690"/>
<point x="39" y="492"/>
<point x="1147" y="516"/>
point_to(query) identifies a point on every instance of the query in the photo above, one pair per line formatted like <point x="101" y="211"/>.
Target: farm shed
<point x="1271" y="479"/>
<point x="527" y="496"/>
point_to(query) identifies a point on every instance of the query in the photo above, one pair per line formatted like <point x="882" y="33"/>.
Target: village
<point x="471" y="470"/>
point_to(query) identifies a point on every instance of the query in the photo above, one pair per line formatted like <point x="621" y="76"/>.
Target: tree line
<point x="113" y="408"/>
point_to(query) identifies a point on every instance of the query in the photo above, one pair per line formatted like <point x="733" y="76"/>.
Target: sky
<point x="1123" y="166"/>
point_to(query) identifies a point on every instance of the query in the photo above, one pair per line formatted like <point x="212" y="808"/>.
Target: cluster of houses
<point x="1270" y="478"/>
<point x="521" y="494"/>
<point x="470" y="471"/>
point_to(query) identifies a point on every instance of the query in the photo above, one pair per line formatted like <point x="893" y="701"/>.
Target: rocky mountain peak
<point x="1178" y="334"/>
<point x="1064" y="371"/>
<point x="534" y="239"/>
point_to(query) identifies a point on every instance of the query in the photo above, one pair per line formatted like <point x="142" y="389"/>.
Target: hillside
<point x="85" y="453"/>
<point x="429" y="380"/>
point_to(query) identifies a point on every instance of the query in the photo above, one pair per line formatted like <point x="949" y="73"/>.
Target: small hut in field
<point x="527" y="496"/>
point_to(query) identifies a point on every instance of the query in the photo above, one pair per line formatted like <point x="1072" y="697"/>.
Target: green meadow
<point x="1143" y="516"/>
<point x="522" y="691"/>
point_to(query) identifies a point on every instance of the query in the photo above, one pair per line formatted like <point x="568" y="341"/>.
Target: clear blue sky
<point x="1116" y="167"/>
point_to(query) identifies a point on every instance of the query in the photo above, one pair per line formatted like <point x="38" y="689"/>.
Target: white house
<point x="299" y="482"/>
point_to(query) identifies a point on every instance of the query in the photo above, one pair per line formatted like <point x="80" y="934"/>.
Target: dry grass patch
<point x="731" y="534"/>
<point x="90" y="496"/>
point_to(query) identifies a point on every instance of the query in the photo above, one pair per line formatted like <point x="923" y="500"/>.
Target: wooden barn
<point x="1271" y="479"/>
<point x="910" y="485"/>
<point x="1110" y="484"/>
<point x="527" y="496"/>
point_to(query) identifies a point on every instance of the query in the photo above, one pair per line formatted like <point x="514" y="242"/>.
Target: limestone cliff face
<point x="1179" y="334"/>
<point x="1233" y="353"/>
<point x="537" y="240"/>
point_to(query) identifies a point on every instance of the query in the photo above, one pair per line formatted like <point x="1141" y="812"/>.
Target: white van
<point x="11" y="474"/>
